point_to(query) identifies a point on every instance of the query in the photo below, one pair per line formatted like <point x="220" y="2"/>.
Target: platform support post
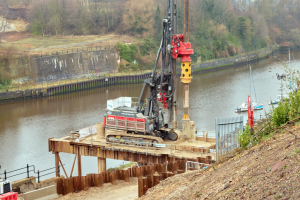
<point x="57" y="163"/>
<point x="101" y="165"/>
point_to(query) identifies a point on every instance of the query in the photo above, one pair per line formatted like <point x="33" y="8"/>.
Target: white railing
<point x="195" y="165"/>
<point x="129" y="102"/>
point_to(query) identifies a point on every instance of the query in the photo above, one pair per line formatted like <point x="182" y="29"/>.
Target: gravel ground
<point x="122" y="191"/>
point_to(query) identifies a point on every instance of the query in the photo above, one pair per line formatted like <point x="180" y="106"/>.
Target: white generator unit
<point x="5" y="186"/>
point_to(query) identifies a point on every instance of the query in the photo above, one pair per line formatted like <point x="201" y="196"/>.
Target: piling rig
<point x="145" y="122"/>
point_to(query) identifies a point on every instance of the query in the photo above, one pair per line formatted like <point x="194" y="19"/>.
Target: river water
<point x="26" y="126"/>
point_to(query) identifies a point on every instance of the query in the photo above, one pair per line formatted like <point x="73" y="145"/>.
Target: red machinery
<point x="181" y="49"/>
<point x="250" y="113"/>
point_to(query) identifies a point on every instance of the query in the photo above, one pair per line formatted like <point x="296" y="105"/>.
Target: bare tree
<point x="5" y="60"/>
<point x="26" y="2"/>
<point x="3" y="22"/>
<point x="40" y="16"/>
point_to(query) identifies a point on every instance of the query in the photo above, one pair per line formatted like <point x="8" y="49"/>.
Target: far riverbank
<point x="69" y="86"/>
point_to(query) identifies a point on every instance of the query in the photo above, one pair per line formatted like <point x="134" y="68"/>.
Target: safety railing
<point x="58" y="170"/>
<point x="195" y="165"/>
<point x="122" y="103"/>
<point x="28" y="169"/>
<point x="26" y="172"/>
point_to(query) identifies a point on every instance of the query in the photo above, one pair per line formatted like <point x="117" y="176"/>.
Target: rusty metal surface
<point x="186" y="32"/>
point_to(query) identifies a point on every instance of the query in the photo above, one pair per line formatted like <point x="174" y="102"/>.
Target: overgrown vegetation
<point x="218" y="28"/>
<point x="286" y="111"/>
<point x="244" y="137"/>
<point x="136" y="56"/>
<point x="290" y="108"/>
<point x="5" y="59"/>
<point x="4" y="82"/>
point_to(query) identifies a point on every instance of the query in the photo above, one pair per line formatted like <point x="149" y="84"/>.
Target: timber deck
<point x="93" y="146"/>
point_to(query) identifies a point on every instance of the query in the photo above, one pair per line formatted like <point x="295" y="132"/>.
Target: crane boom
<point x="148" y="121"/>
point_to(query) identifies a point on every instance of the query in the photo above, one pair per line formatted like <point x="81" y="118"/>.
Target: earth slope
<point x="270" y="170"/>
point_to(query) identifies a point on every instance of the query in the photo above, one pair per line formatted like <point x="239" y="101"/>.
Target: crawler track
<point x="143" y="139"/>
<point x="147" y="138"/>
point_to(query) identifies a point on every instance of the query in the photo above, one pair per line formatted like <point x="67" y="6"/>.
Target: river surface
<point x="26" y="126"/>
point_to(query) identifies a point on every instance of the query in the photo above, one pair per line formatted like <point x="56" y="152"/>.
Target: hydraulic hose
<point x="157" y="57"/>
<point x="163" y="64"/>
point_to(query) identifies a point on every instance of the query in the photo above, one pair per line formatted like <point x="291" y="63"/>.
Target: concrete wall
<point x="64" y="66"/>
<point x="214" y="65"/>
<point x="36" y="194"/>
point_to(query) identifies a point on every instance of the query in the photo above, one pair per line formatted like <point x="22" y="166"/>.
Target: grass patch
<point x="49" y="44"/>
<point x="121" y="167"/>
<point x="52" y="41"/>
<point x="266" y="137"/>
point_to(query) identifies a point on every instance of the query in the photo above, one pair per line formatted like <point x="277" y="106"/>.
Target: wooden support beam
<point x="56" y="162"/>
<point x="73" y="166"/>
<point x="79" y="162"/>
<point x="101" y="165"/>
<point x="63" y="168"/>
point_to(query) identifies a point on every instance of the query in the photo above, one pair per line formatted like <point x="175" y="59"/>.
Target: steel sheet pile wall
<point x="68" y="185"/>
<point x="148" y="176"/>
<point x="62" y="88"/>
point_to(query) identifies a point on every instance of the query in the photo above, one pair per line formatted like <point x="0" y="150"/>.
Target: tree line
<point x="218" y="28"/>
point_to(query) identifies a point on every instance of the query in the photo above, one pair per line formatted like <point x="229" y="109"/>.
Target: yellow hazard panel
<point x="118" y="136"/>
<point x="186" y="116"/>
<point x="186" y="72"/>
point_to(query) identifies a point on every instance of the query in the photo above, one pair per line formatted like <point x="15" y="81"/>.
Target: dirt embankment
<point x="270" y="170"/>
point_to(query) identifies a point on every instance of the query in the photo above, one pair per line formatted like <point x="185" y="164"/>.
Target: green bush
<point x="125" y="51"/>
<point x="280" y="115"/>
<point x="287" y="111"/>
<point x="294" y="103"/>
<point x="4" y="82"/>
<point x="146" y="46"/>
<point x="244" y="138"/>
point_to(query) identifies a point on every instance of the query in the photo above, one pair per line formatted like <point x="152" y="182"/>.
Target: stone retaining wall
<point x="63" y="66"/>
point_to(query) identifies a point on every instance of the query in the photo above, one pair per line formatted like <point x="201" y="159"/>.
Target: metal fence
<point x="27" y="171"/>
<point x="226" y="134"/>
<point x="30" y="168"/>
